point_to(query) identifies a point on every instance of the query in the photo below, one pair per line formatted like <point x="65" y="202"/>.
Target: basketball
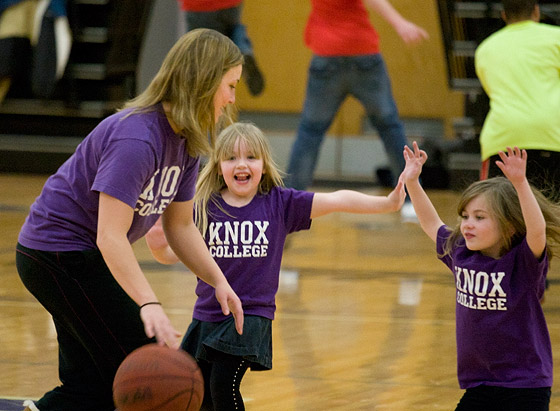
<point x="154" y="377"/>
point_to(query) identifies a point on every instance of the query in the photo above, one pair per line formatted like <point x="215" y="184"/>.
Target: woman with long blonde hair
<point x="74" y="251"/>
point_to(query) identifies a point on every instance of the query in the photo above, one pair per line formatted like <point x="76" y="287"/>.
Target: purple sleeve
<point x="124" y="168"/>
<point x="297" y="208"/>
<point x="538" y="267"/>
<point x="442" y="236"/>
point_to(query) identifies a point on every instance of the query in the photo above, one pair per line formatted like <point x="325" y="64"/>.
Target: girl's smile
<point x="242" y="172"/>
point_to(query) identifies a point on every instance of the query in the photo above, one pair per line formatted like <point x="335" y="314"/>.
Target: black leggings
<point x="488" y="398"/>
<point x="221" y="383"/>
<point x="97" y="324"/>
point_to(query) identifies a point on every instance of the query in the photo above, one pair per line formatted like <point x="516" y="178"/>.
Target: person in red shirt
<point x="347" y="61"/>
<point x="224" y="16"/>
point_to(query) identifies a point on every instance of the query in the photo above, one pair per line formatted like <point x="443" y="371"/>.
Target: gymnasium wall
<point x="418" y="73"/>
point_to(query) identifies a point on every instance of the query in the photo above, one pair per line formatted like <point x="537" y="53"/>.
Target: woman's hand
<point x="157" y="324"/>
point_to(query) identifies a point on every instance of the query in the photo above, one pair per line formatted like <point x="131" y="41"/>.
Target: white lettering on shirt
<point x="474" y="290"/>
<point x="149" y="203"/>
<point x="232" y="239"/>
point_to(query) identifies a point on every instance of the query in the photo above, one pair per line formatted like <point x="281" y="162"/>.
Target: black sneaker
<point x="252" y="75"/>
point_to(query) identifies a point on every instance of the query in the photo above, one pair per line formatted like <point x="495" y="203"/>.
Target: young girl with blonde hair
<point x="499" y="255"/>
<point x="245" y="214"/>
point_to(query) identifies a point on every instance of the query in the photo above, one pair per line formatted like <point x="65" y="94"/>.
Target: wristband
<point x="150" y="303"/>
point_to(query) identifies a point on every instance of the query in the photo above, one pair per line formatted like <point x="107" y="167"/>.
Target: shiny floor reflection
<point x="365" y="317"/>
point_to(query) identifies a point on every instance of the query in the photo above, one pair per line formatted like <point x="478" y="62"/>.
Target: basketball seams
<point x="171" y="399"/>
<point x="164" y="376"/>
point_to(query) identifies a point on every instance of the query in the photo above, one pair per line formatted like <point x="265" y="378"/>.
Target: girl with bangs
<point x="245" y="214"/>
<point x="499" y="255"/>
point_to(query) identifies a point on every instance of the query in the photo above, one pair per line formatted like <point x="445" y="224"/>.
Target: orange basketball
<point x="153" y="377"/>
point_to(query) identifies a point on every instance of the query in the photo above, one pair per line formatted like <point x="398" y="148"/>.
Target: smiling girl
<point x="499" y="256"/>
<point x="245" y="214"/>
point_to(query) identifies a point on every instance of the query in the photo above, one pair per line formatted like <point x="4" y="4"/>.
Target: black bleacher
<point x="38" y="132"/>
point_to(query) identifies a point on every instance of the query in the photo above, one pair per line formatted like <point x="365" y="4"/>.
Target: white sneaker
<point x="29" y="406"/>
<point x="408" y="215"/>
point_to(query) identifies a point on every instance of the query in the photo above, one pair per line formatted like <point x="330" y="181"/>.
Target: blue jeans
<point x="225" y="21"/>
<point x="331" y="80"/>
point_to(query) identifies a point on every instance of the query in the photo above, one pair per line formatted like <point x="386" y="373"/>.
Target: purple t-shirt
<point x="248" y="244"/>
<point x="137" y="159"/>
<point x="501" y="331"/>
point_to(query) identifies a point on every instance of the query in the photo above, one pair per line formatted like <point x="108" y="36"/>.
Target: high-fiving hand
<point x="415" y="159"/>
<point x="513" y="164"/>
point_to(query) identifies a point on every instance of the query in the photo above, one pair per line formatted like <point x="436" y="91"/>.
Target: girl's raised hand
<point x="398" y="195"/>
<point x="415" y="159"/>
<point x="513" y="164"/>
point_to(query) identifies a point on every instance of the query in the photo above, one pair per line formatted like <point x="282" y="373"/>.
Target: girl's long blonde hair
<point x="210" y="181"/>
<point x="504" y="205"/>
<point x="188" y="80"/>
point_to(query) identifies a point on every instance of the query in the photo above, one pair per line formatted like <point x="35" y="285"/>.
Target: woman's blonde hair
<point x="211" y="182"/>
<point x="188" y="79"/>
<point x="506" y="209"/>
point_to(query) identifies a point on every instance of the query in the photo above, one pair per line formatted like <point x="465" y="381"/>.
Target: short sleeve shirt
<point x="134" y="157"/>
<point x="501" y="331"/>
<point x="340" y="28"/>
<point x="519" y="68"/>
<point x="247" y="243"/>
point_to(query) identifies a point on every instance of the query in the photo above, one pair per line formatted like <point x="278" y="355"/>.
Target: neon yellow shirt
<point x="519" y="68"/>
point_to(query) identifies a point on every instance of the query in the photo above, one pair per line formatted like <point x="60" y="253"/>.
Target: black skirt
<point x="208" y="340"/>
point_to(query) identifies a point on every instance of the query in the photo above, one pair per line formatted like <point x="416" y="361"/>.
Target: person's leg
<point x="372" y="87"/>
<point x="493" y="169"/>
<point x="225" y="381"/>
<point x="97" y="323"/>
<point x="206" y="369"/>
<point x="238" y="33"/>
<point x="325" y="92"/>
<point x="484" y="169"/>
<point x="526" y="399"/>
<point x="228" y="22"/>
<point x="206" y="20"/>
<point x="543" y="172"/>
<point x="251" y="72"/>
<point x="77" y="371"/>
<point x="477" y="399"/>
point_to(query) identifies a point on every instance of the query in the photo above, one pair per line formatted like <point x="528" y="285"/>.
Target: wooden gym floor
<point x="365" y="316"/>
